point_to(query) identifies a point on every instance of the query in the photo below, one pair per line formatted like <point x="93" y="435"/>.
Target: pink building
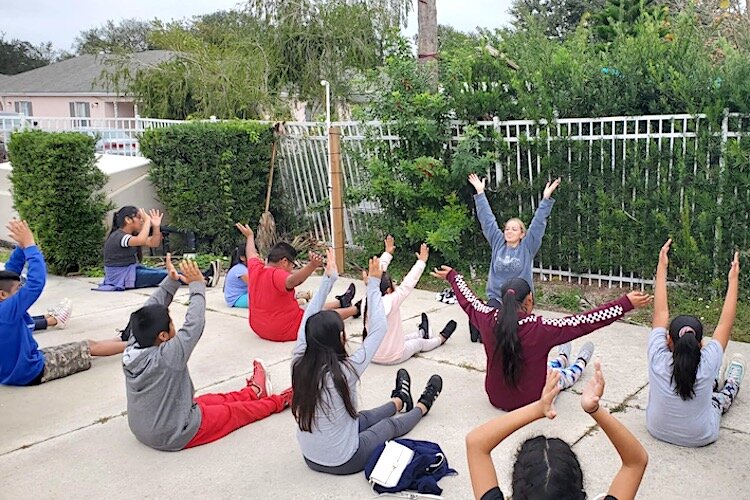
<point x="71" y="88"/>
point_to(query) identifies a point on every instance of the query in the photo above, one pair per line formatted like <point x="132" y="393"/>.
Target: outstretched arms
<point x="723" y="330"/>
<point x="661" y="305"/>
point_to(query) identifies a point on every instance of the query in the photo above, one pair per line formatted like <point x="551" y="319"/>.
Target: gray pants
<point x="376" y="426"/>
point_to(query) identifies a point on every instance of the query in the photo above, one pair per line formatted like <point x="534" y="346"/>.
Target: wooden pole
<point x="337" y="196"/>
<point x="427" y="39"/>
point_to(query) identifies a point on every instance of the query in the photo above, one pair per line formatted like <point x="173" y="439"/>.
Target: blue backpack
<point x="426" y="468"/>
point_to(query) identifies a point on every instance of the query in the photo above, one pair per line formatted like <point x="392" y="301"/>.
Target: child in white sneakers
<point x="57" y="316"/>
<point x="686" y="399"/>
<point x="398" y="347"/>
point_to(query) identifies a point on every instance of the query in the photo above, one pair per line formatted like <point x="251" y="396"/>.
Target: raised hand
<point x="145" y="217"/>
<point x="171" y="269"/>
<point x="244" y="229"/>
<point x="390" y="244"/>
<point x="734" y="268"/>
<point x="442" y="273"/>
<point x="550" y="188"/>
<point x="478" y="183"/>
<point x="664" y="253"/>
<point x="331" y="267"/>
<point x="316" y="260"/>
<point x="20" y="232"/>
<point x="424" y="253"/>
<point x="190" y="271"/>
<point x="640" y="299"/>
<point x="549" y="393"/>
<point x="375" y="271"/>
<point x="594" y="390"/>
<point x="156" y="217"/>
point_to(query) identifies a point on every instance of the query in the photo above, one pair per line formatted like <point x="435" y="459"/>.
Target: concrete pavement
<point x="70" y="438"/>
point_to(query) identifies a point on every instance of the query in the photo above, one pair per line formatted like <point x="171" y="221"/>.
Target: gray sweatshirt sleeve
<point x="165" y="293"/>
<point x="488" y="222"/>
<point x="178" y="350"/>
<point x="376" y="328"/>
<point x="315" y="305"/>
<point x="533" y="239"/>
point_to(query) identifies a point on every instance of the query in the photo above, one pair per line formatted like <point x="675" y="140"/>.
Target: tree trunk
<point x="427" y="39"/>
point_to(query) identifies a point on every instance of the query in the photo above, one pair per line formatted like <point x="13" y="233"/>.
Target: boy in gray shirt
<point x="161" y="410"/>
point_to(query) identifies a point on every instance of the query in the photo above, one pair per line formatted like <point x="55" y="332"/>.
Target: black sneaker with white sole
<point x="431" y="391"/>
<point x="403" y="389"/>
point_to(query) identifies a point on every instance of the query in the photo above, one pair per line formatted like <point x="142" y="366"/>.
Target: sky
<point x="60" y="21"/>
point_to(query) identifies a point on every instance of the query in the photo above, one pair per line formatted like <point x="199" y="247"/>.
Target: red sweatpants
<point x="225" y="413"/>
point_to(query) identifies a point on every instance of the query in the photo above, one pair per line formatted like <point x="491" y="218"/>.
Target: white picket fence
<point x="303" y="161"/>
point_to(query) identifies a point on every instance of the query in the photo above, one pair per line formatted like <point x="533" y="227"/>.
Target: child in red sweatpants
<point x="162" y="413"/>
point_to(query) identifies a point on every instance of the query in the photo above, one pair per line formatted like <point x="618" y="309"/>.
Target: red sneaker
<point x="260" y="381"/>
<point x="287" y="395"/>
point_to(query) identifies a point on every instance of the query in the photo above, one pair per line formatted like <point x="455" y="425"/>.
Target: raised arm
<point x="632" y="453"/>
<point x="387" y="256"/>
<point x="560" y="330"/>
<point x="723" y="330"/>
<point x="167" y="288"/>
<point x="661" y="305"/>
<point x="376" y="320"/>
<point x="250" y="251"/>
<point x="412" y="277"/>
<point x="155" y="239"/>
<point x="317" y="302"/>
<point x="179" y="349"/>
<point x="299" y="276"/>
<point x="141" y="239"/>
<point x="481" y="441"/>
<point x="533" y="239"/>
<point x="486" y="218"/>
<point x="17" y="260"/>
<point x="20" y="302"/>
<point x="480" y="314"/>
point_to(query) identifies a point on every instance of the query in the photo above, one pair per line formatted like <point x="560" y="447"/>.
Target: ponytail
<point x="239" y="251"/>
<point x="686" y="333"/>
<point x="118" y="218"/>
<point x="507" y="342"/>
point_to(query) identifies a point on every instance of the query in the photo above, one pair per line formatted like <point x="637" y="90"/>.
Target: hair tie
<point x="684" y="330"/>
<point x="511" y="291"/>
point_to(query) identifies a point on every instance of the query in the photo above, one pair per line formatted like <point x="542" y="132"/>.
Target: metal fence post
<point x="718" y="232"/>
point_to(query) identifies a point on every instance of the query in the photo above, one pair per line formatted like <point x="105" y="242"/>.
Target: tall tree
<point x="129" y="35"/>
<point x="559" y="18"/>
<point x="17" y="56"/>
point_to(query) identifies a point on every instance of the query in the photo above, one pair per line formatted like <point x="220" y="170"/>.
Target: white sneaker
<point x="736" y="369"/>
<point x="563" y="352"/>
<point x="586" y="352"/>
<point x="62" y="313"/>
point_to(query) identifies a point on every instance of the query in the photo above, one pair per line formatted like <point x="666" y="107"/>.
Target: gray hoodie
<point x="161" y="410"/>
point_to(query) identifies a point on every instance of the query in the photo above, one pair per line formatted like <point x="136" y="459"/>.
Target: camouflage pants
<point x="65" y="359"/>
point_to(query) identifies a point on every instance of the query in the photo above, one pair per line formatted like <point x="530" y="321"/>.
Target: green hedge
<point x="57" y="188"/>
<point x="210" y="175"/>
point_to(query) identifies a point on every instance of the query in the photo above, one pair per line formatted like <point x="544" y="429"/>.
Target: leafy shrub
<point x="57" y="188"/>
<point x="210" y="176"/>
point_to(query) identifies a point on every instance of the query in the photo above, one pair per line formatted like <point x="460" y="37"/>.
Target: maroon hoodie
<point x="537" y="335"/>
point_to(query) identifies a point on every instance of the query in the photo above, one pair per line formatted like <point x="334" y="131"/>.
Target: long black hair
<point x="686" y="333"/>
<point x="507" y="343"/>
<point x="547" y="468"/>
<point x="325" y="354"/>
<point x="118" y="219"/>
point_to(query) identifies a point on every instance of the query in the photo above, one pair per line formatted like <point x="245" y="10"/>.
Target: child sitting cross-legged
<point x="155" y="366"/>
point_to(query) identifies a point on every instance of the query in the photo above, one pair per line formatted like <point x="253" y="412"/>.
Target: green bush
<point x="209" y="176"/>
<point x="57" y="188"/>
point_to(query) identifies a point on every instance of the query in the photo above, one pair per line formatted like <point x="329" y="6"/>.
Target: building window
<point x="80" y="110"/>
<point x="24" y="107"/>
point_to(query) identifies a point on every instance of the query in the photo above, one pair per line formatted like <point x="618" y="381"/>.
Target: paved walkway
<point x="70" y="438"/>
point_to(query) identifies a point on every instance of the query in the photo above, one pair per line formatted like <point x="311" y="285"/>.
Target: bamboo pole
<point x="337" y="196"/>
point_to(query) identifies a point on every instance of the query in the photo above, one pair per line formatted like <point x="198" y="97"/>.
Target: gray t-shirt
<point x="669" y="418"/>
<point x="117" y="253"/>
<point x="335" y="434"/>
